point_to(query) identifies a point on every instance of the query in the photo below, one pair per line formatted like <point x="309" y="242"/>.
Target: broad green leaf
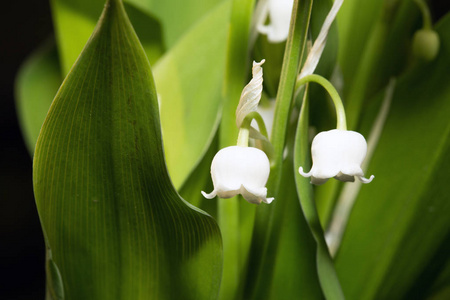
<point x="189" y="80"/>
<point x="36" y="84"/>
<point x="115" y="225"/>
<point x="400" y="219"/>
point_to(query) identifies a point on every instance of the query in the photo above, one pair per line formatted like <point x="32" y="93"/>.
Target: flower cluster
<point x="337" y="153"/>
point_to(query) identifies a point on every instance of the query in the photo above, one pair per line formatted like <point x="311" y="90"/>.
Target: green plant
<point x="122" y="214"/>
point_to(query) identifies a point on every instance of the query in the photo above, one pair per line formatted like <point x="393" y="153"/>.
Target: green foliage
<point x="108" y="190"/>
<point x="399" y="221"/>
<point x="106" y="203"/>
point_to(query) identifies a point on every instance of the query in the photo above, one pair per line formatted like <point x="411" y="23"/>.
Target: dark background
<point x="24" y="26"/>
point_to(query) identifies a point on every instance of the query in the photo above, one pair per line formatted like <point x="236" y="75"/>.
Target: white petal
<point x="210" y="195"/>
<point x="300" y="170"/>
<point x="365" y="180"/>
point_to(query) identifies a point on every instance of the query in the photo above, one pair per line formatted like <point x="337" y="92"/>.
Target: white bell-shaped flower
<point x="280" y="17"/>
<point x="240" y="170"/>
<point x="339" y="154"/>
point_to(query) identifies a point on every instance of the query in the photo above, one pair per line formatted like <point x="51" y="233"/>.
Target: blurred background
<point x="26" y="25"/>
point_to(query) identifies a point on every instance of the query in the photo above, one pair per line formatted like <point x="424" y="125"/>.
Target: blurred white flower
<point x="280" y="17"/>
<point x="240" y="170"/>
<point x="339" y="154"/>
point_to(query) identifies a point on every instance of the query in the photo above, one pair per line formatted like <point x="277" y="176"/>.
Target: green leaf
<point x="295" y="271"/>
<point x="356" y="19"/>
<point x="36" y="84"/>
<point x="400" y="220"/>
<point x="189" y="80"/>
<point x="115" y="225"/>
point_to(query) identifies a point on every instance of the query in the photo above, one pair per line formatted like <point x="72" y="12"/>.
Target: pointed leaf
<point x="115" y="225"/>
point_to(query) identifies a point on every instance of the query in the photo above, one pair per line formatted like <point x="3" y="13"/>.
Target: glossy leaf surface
<point x="116" y="227"/>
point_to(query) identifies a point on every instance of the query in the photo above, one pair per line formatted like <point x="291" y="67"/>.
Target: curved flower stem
<point x="426" y="16"/>
<point x="340" y="111"/>
<point x="244" y="130"/>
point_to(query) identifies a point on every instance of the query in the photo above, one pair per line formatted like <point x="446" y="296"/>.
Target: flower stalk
<point x="340" y="111"/>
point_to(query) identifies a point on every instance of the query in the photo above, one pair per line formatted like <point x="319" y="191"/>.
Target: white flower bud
<point x="280" y="17"/>
<point x="339" y="154"/>
<point x="240" y="170"/>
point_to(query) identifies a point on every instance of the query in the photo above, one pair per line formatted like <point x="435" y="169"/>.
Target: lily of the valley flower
<point x="280" y="17"/>
<point x="240" y="170"/>
<point x="337" y="153"/>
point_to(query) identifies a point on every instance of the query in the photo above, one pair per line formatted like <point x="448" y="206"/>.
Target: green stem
<point x="340" y="111"/>
<point x="244" y="130"/>
<point x="259" y="120"/>
<point x="426" y="16"/>
<point x="242" y="140"/>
